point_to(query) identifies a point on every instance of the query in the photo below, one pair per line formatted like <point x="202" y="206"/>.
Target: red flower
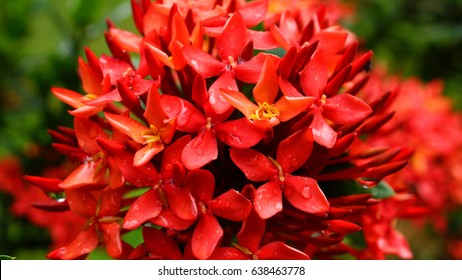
<point x="302" y="192"/>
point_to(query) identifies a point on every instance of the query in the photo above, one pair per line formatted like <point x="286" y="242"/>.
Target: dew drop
<point x="306" y="192"/>
<point x="199" y="151"/>
<point x="294" y="162"/>
<point x="278" y="206"/>
<point x="227" y="204"/>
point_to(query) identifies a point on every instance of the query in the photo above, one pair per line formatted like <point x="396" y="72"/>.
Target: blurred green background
<point x="40" y="41"/>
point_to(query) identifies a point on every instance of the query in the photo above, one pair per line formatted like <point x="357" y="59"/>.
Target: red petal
<point x="86" y="132"/>
<point x="289" y="107"/>
<point x="167" y="219"/>
<point x="268" y="199"/>
<point x="46" y="184"/>
<point x="342" y="227"/>
<point x="254" y="12"/>
<point x="288" y="89"/>
<point x="228" y="253"/>
<point x="201" y="150"/>
<point x="267" y="86"/>
<point x="159" y="244"/>
<point x="67" y="96"/>
<point x="155" y="18"/>
<point x="233" y="38"/>
<point x="231" y="205"/>
<point x="89" y="173"/>
<point x="359" y="64"/>
<point x="116" y="69"/>
<point x="334" y="85"/>
<point x="201" y="183"/>
<point x="145" y="175"/>
<point x="331" y="41"/>
<point x="145" y="154"/>
<point x="342" y="144"/>
<point x="280" y="38"/>
<point x="172" y="157"/>
<point x="110" y="201"/>
<point x="143" y="209"/>
<point x="295" y="150"/>
<point x="256" y="166"/>
<point x="346" y="109"/>
<point x="323" y="134"/>
<point x="262" y="40"/>
<point x="180" y="201"/>
<point x="199" y="90"/>
<point x="154" y="112"/>
<point x="251" y="232"/>
<point x="249" y="71"/>
<point x="206" y="236"/>
<point x="111" y="237"/>
<point x="81" y="202"/>
<point x="188" y="117"/>
<point x="90" y="83"/>
<point x="240" y="133"/>
<point x="216" y="99"/>
<point x="314" y="78"/>
<point x="126" y="40"/>
<point x="83" y="244"/>
<point x="280" y="251"/>
<point x="127" y="126"/>
<point x="239" y="101"/>
<point x="305" y="194"/>
<point x="347" y="57"/>
<point x="51" y="205"/>
<point x="93" y="63"/>
<point x="202" y="62"/>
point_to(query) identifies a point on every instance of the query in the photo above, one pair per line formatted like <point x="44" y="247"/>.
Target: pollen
<point x="265" y="112"/>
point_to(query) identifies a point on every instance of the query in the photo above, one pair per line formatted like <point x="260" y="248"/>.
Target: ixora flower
<point x="238" y="135"/>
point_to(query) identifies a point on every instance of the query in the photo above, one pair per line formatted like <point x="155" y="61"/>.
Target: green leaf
<point x="350" y="187"/>
<point x="382" y="190"/>
<point x="5" y="257"/>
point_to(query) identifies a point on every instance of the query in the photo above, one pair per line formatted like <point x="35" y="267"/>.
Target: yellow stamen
<point x="242" y="249"/>
<point x="265" y="112"/>
<point x="279" y="168"/>
<point x="208" y="126"/>
<point x="232" y="62"/>
<point x="323" y="99"/>
<point x="151" y="135"/>
<point x="202" y="207"/>
<point x="90" y="96"/>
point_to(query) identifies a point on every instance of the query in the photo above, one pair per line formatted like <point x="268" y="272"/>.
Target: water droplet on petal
<point x="294" y="162"/>
<point x="227" y="204"/>
<point x="306" y="192"/>
<point x="199" y="151"/>
<point x="278" y="206"/>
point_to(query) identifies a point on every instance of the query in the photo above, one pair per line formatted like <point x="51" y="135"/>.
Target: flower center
<point x="150" y="135"/>
<point x="265" y="112"/>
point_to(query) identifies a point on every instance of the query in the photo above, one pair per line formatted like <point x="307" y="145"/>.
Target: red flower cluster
<point x="226" y="133"/>
<point x="425" y="122"/>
